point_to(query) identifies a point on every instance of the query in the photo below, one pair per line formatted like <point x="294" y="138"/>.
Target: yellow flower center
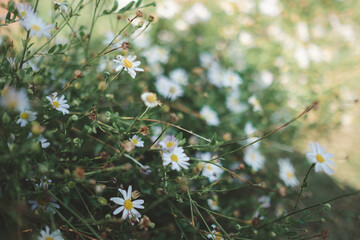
<point x="56" y="104"/>
<point x="13" y="103"/>
<point x="127" y="63"/>
<point x="172" y="90"/>
<point x="253" y="157"/>
<point x="231" y="79"/>
<point x="42" y="202"/>
<point x="208" y="166"/>
<point x="218" y="236"/>
<point x="24" y="115"/>
<point x="174" y="158"/>
<point x="35" y="27"/>
<point x="134" y="141"/>
<point x="128" y="204"/>
<point x="151" y="98"/>
<point x="170" y="144"/>
<point x="22" y="13"/>
<point x="320" y="158"/>
<point x="49" y="238"/>
<point x="290" y="175"/>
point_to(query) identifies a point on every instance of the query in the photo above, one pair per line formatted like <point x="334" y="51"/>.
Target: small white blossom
<point x="234" y="104"/>
<point x="168" y="89"/>
<point x="46" y="235"/>
<point x="61" y="4"/>
<point x="156" y="54"/>
<point x="45" y="202"/>
<point x="136" y="140"/>
<point x="44" y="142"/>
<point x="179" y="76"/>
<point x="321" y="158"/>
<point x="128" y="64"/>
<point x="169" y="143"/>
<point x="176" y="158"/>
<point x="209" y="170"/>
<point x="59" y="103"/>
<point x="210" y="116"/>
<point x="24" y="9"/>
<point x="150" y="99"/>
<point x="25" y="117"/>
<point x="127" y="206"/>
<point x="231" y="79"/>
<point x="36" y="26"/>
<point x="287" y="173"/>
<point x="14" y="100"/>
<point x="196" y="13"/>
<point x="255" y="103"/>
<point x="253" y="158"/>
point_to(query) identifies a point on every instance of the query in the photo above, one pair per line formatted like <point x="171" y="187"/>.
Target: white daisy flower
<point x="210" y="116"/>
<point x="215" y="235"/>
<point x="46" y="235"/>
<point x="136" y="140"/>
<point x="24" y="9"/>
<point x="14" y="100"/>
<point x="179" y="76"/>
<point x="321" y="158"/>
<point x="59" y="104"/>
<point x="211" y="171"/>
<point x="234" y="104"/>
<point x="231" y="79"/>
<point x="177" y="158"/>
<point x="270" y="8"/>
<point x="36" y="26"/>
<point x="206" y="59"/>
<point x="213" y="204"/>
<point x="168" y="89"/>
<point x="25" y="117"/>
<point x="169" y="143"/>
<point x="287" y="173"/>
<point x="156" y="54"/>
<point x="215" y="74"/>
<point x="128" y="64"/>
<point x="149" y="99"/>
<point x="61" y="4"/>
<point x="255" y="103"/>
<point x="196" y="13"/>
<point x="127" y="206"/>
<point x="44" y="142"/>
<point x="253" y="158"/>
<point x="45" y="202"/>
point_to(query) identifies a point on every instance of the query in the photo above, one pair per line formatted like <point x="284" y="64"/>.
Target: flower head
<point x="209" y="170"/>
<point x="149" y="99"/>
<point x="177" y="158"/>
<point x="46" y="235"/>
<point x="36" y="25"/>
<point x="210" y="116"/>
<point x="253" y="158"/>
<point x="215" y="235"/>
<point x="44" y="142"/>
<point x="320" y="158"/>
<point x="231" y="79"/>
<point x="287" y="173"/>
<point x="169" y="143"/>
<point x="26" y="116"/>
<point x="127" y="206"/>
<point x="44" y="202"/>
<point x="61" y="4"/>
<point x="168" y="89"/>
<point x="128" y="64"/>
<point x="136" y="140"/>
<point x="14" y="100"/>
<point x="59" y="103"/>
<point x="24" y="9"/>
<point x="179" y="76"/>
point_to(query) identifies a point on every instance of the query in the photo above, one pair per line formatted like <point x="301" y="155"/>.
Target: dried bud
<point x="104" y="155"/>
<point x="77" y="74"/>
<point x="282" y="191"/>
<point x="144" y="130"/>
<point x="125" y="46"/>
<point x="324" y="234"/>
<point x="174" y="117"/>
<point x="79" y="172"/>
<point x="99" y="188"/>
<point x="118" y="17"/>
<point x="151" y="18"/>
<point x="255" y="222"/>
<point x="135" y="194"/>
<point x="128" y="146"/>
<point x="37" y="129"/>
<point x="102" y="85"/>
<point x="145" y="223"/>
<point x="139" y="13"/>
<point x="227" y="136"/>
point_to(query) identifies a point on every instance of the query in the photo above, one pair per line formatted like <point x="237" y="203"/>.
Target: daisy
<point x="210" y="116"/>
<point x="213" y="204"/>
<point x="44" y="142"/>
<point x="168" y="89"/>
<point x="149" y="99"/>
<point x="211" y="171"/>
<point x="179" y="76"/>
<point x="231" y="79"/>
<point x="36" y="26"/>
<point x="234" y="104"/>
<point x="253" y="158"/>
<point x="287" y="173"/>
<point x="255" y="103"/>
<point x="14" y="100"/>
<point x="169" y="143"/>
<point x="61" y="4"/>
<point x="24" y="9"/>
<point x="177" y="158"/>
<point x="45" y="202"/>
<point x="46" y="235"/>
<point x="128" y="64"/>
<point x="215" y="74"/>
<point x="136" y="140"/>
<point x="26" y="116"/>
<point x="59" y="104"/>
<point x="156" y="54"/>
<point x="320" y="158"/>
<point x="215" y="235"/>
<point x="127" y="206"/>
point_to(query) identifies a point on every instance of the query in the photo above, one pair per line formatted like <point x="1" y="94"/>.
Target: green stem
<point x="303" y="185"/>
<point x="138" y="117"/>
<point x="91" y="29"/>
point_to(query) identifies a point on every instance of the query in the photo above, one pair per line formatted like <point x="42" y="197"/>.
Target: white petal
<point x="118" y="210"/>
<point x="117" y="200"/>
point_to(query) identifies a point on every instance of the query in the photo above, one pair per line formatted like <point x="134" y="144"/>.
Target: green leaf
<point x="52" y="49"/>
<point x="138" y="3"/>
<point x="115" y="6"/>
<point x="127" y="7"/>
<point x="179" y="136"/>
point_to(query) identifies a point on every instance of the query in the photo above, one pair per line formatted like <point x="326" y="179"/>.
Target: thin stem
<point x="303" y="185"/>
<point x="136" y="119"/>
<point x="91" y="29"/>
